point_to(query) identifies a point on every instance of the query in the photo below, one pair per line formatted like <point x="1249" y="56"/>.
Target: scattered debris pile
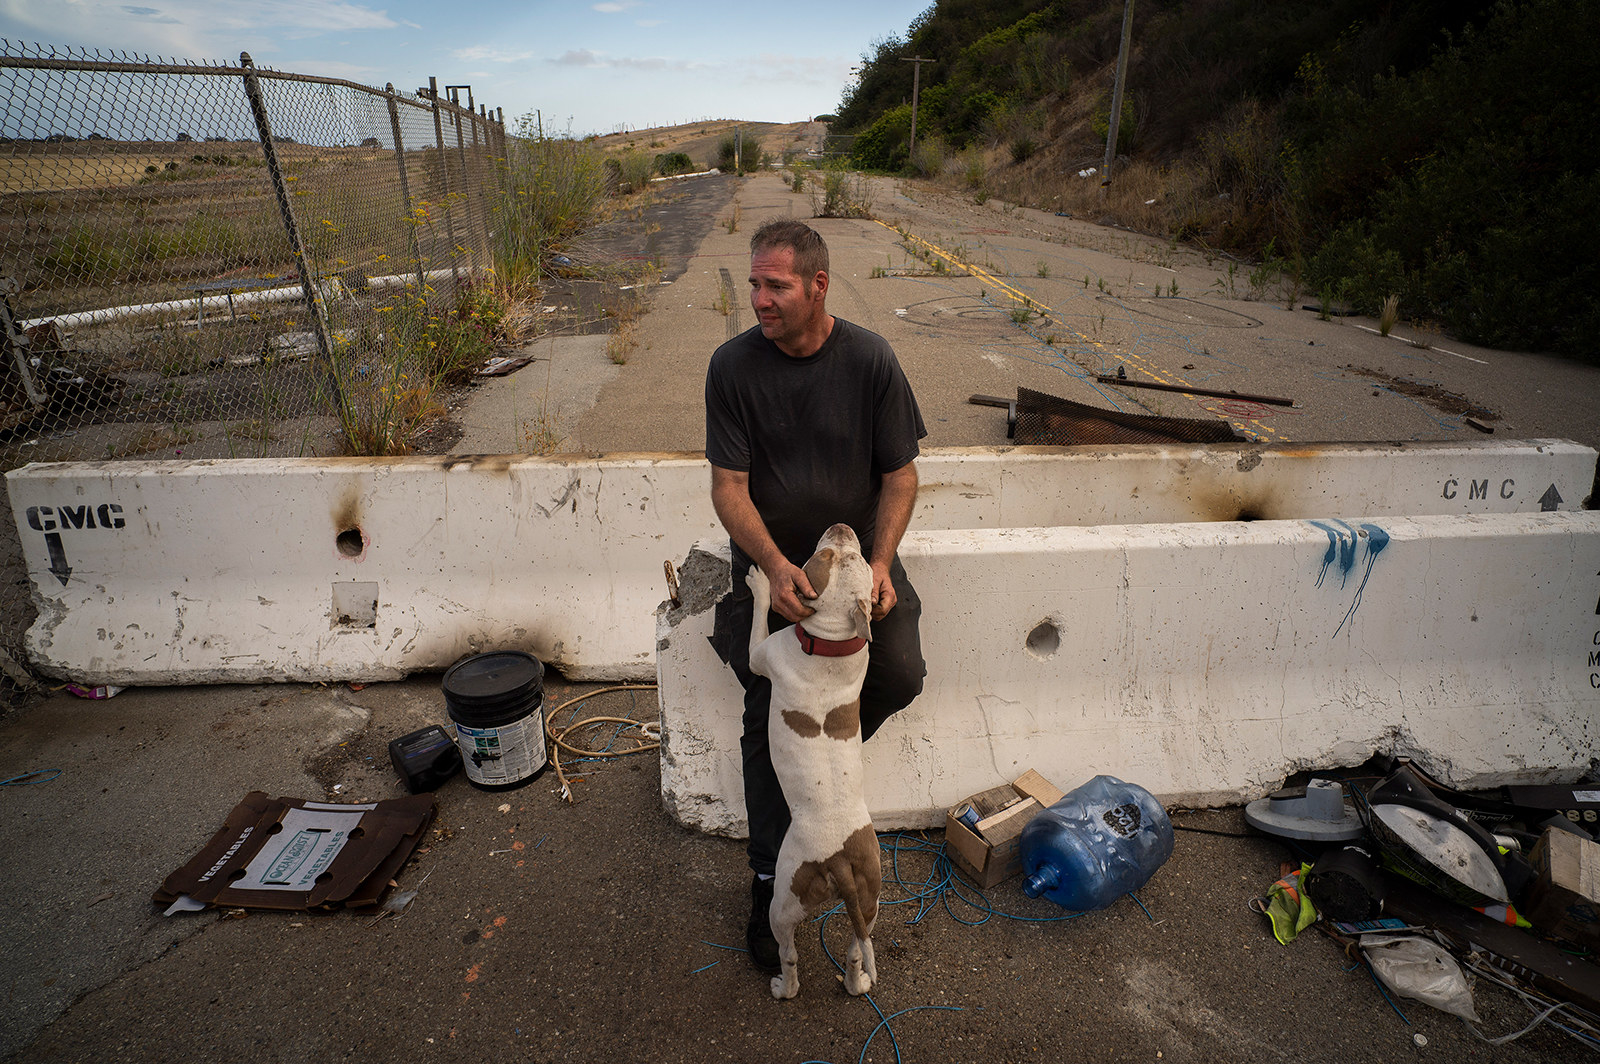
<point x="1431" y="887"/>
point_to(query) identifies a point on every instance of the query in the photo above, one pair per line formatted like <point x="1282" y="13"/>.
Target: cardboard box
<point x="983" y="832"/>
<point x="1565" y="899"/>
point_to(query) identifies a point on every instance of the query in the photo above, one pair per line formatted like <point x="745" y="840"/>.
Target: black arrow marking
<point x="58" y="557"/>
<point x="1550" y="499"/>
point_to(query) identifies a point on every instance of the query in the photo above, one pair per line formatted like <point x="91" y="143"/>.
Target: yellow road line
<point x="1047" y="312"/>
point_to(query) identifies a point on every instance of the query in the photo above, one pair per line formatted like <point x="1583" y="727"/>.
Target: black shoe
<point x="758" y="935"/>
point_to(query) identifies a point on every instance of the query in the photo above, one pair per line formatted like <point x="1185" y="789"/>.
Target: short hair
<point x="810" y="250"/>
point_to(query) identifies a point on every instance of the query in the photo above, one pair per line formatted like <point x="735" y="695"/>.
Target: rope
<point x="650" y="729"/>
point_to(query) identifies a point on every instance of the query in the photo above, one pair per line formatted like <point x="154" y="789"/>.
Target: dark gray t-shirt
<point x="815" y="434"/>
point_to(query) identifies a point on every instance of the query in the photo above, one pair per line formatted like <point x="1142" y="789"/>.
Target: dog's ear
<point x="863" y="619"/>
<point x="818" y="569"/>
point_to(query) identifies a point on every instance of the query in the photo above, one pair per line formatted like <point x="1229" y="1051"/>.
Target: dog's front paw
<point x="784" y="989"/>
<point x="757" y="581"/>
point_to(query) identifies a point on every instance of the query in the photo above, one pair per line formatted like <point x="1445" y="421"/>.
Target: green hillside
<point x="1441" y="151"/>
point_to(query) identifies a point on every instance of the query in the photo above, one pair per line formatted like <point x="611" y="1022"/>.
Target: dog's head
<point x="842" y="579"/>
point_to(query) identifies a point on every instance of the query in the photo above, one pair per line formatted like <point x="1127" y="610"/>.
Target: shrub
<point x="676" y="162"/>
<point x="554" y="187"/>
<point x="1127" y="126"/>
<point x="843" y="195"/>
<point x="740" y="155"/>
<point x="883" y="145"/>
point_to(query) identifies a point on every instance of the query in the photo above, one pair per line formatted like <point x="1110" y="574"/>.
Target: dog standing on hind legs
<point x="816" y="669"/>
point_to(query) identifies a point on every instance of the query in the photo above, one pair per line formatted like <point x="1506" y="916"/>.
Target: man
<point x="809" y="421"/>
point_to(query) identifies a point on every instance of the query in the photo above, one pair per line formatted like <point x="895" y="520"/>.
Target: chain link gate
<point x="215" y="260"/>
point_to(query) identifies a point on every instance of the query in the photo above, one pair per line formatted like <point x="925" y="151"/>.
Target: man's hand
<point x="730" y="494"/>
<point x="789" y="588"/>
<point x="895" y="502"/>
<point x="883" y="596"/>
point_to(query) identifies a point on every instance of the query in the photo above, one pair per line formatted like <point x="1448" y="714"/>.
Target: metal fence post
<point x="466" y="182"/>
<point x="481" y="168"/>
<point x="444" y="176"/>
<point x="258" y="107"/>
<point x="405" y="186"/>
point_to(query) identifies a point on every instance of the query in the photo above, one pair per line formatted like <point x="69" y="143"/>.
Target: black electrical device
<point x="425" y="758"/>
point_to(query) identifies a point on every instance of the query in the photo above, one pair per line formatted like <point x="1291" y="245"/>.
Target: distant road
<point x="986" y="298"/>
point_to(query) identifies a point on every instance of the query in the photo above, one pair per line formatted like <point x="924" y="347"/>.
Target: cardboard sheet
<point x="288" y="853"/>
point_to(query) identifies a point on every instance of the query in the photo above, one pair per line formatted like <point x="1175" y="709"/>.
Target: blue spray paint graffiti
<point x="1343" y="544"/>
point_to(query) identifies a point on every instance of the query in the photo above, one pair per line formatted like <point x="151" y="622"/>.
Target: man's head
<point x="810" y="252"/>
<point x="789" y="286"/>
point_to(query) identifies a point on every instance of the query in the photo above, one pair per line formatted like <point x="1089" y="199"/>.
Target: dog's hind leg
<point x="861" y="966"/>
<point x="785" y="915"/>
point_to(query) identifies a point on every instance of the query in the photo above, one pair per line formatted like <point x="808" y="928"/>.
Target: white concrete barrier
<point x="1203" y="662"/>
<point x="334" y="569"/>
<point x="1041" y="487"/>
<point x="326" y="569"/>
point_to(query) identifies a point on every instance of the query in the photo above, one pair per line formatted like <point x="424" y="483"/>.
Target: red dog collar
<point x="828" y="648"/>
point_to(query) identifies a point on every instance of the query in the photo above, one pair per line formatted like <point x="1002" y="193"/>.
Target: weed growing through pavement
<point x="1389" y="315"/>
<point x="541" y="433"/>
<point x="621" y="342"/>
<point x="387" y="377"/>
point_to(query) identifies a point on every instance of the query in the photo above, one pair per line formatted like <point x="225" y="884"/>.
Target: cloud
<point x="482" y="53"/>
<point x="615" y="7"/>
<point x="308" y="17"/>
<point x="583" y="57"/>
<point x="151" y="14"/>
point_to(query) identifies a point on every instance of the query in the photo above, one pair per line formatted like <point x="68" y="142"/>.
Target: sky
<point x="584" y="66"/>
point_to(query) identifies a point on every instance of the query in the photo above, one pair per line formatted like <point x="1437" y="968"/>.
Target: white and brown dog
<point x="814" y="733"/>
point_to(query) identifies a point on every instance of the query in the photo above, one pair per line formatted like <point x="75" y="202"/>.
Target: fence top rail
<point x="134" y="64"/>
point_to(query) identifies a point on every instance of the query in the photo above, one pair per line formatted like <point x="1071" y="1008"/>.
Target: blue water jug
<point x="1101" y="841"/>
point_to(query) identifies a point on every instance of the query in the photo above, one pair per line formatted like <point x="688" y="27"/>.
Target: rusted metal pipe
<point x="1273" y="400"/>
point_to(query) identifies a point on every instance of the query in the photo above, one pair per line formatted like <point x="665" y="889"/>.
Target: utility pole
<point x="916" y="85"/>
<point x="1116" y="93"/>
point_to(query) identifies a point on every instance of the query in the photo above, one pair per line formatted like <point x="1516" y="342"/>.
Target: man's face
<point x="785" y="304"/>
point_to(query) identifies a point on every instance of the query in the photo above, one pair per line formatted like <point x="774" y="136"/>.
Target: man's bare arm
<point x="896" y="499"/>
<point x="730" y="496"/>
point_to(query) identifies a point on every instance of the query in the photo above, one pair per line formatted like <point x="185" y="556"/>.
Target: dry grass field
<point x="95" y="224"/>
<point x="700" y="140"/>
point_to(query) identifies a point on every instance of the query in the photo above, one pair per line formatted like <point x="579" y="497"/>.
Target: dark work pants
<point x="894" y="678"/>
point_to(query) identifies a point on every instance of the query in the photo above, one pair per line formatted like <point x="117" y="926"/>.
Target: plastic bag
<point x="1422" y="970"/>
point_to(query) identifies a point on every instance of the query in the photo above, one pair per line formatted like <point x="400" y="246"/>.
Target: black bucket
<point x="496" y="702"/>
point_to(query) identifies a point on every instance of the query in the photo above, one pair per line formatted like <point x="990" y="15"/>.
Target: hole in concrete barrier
<point x="355" y="604"/>
<point x="350" y="542"/>
<point x="1044" y="640"/>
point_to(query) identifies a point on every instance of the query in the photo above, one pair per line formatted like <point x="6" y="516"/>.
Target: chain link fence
<point x="224" y="260"/>
<point x="214" y="260"/>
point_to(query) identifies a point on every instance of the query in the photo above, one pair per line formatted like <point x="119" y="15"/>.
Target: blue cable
<point x="28" y="779"/>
